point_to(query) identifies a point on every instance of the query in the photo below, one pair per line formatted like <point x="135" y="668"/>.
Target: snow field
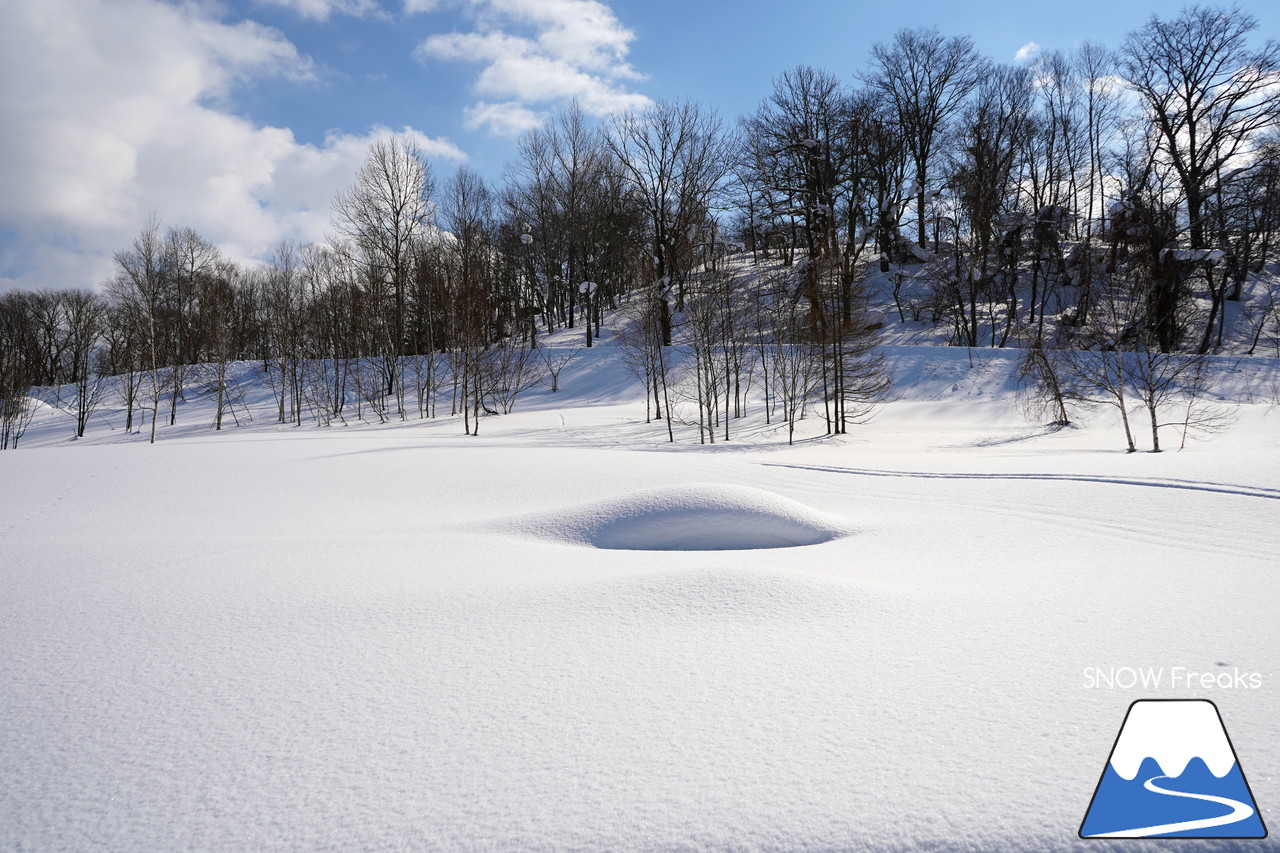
<point x="394" y="638"/>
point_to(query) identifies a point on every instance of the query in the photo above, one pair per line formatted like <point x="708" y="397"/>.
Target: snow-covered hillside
<point x="400" y="637"/>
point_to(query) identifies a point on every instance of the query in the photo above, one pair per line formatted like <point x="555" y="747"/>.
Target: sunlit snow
<point x="400" y="637"/>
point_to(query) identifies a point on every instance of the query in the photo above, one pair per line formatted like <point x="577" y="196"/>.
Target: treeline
<point x="1101" y="201"/>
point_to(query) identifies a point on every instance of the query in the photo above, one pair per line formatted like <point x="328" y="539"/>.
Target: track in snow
<point x="1154" y="483"/>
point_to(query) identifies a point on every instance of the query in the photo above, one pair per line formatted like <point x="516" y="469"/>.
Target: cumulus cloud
<point x="1027" y="52"/>
<point x="115" y="110"/>
<point x="536" y="54"/>
<point x="322" y="10"/>
<point x="510" y="118"/>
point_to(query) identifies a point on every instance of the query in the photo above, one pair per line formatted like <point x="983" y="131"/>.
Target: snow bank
<point x="694" y="517"/>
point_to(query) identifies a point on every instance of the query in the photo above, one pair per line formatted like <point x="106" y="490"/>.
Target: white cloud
<point x="1027" y="52"/>
<point x="1109" y="85"/>
<point x="537" y="53"/>
<point x="111" y="112"/>
<point x="506" y="119"/>
<point x="322" y="10"/>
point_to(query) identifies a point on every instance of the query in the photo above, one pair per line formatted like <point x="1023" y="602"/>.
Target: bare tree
<point x="645" y="355"/>
<point x="331" y="297"/>
<point x="86" y="314"/>
<point x="467" y="215"/>
<point x="1162" y="379"/>
<point x="142" y="273"/>
<point x="1055" y="179"/>
<point x="1143" y="262"/>
<point x="926" y="77"/>
<point x="510" y="369"/>
<point x="46" y="309"/>
<point x="284" y="293"/>
<point x="1090" y="366"/>
<point x="707" y="334"/>
<point x="380" y="216"/>
<point x="800" y="140"/>
<point x="1243" y="211"/>
<point x="985" y="174"/>
<point x="218" y="315"/>
<point x="676" y="158"/>
<point x="575" y="218"/>
<point x="1121" y="361"/>
<point x="124" y="351"/>
<point x="1096" y="69"/>
<point x="1098" y="377"/>
<point x="557" y="359"/>
<point x="886" y="163"/>
<point x="796" y="367"/>
<point x="1042" y="386"/>
<point x="1206" y="91"/>
<point x="17" y="367"/>
<point x="191" y="259"/>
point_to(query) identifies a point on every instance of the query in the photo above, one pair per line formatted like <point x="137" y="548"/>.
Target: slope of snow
<point x="392" y="637"/>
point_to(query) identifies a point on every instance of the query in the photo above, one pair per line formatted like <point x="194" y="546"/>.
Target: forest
<point x="1103" y="211"/>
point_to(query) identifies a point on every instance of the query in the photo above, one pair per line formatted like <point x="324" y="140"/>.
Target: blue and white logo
<point x="1173" y="773"/>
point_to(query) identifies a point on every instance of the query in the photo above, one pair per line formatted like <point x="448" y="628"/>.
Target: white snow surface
<point x="1172" y="733"/>
<point x="403" y="638"/>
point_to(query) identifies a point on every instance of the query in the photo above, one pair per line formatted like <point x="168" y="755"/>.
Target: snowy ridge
<point x="1172" y="733"/>
<point x="929" y="382"/>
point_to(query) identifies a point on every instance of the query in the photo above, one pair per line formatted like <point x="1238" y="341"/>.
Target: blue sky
<point x="242" y="118"/>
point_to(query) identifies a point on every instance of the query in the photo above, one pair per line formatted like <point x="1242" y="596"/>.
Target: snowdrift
<point x="693" y="517"/>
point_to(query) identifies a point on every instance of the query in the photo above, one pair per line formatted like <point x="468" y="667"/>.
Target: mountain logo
<point x="1173" y="773"/>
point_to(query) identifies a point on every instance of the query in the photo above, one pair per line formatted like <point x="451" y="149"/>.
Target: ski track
<point x="1154" y="483"/>
<point x="1239" y="811"/>
<point x="1189" y="540"/>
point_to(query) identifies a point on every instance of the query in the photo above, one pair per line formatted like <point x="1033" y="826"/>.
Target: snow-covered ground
<point x="400" y="637"/>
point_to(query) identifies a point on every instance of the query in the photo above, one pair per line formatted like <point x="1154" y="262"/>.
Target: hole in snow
<point x="697" y="517"/>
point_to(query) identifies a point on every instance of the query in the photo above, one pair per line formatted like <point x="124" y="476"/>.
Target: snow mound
<point x="693" y="517"/>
